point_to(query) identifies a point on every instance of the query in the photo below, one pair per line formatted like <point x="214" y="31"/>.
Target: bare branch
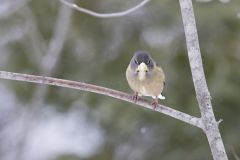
<point x="210" y="126"/>
<point x="104" y="15"/>
<point x="101" y="90"/>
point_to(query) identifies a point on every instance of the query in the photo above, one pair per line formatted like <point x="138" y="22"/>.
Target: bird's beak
<point x="142" y="67"/>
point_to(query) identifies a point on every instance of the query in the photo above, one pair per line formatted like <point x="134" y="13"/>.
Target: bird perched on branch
<point x="145" y="77"/>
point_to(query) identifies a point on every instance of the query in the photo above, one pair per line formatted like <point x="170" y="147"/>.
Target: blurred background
<point x="45" y="37"/>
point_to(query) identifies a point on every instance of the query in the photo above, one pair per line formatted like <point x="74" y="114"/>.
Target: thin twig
<point x="101" y="90"/>
<point x="104" y="15"/>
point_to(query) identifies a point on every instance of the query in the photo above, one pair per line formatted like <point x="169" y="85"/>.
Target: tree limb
<point x="104" y="15"/>
<point x="210" y="125"/>
<point x="101" y="90"/>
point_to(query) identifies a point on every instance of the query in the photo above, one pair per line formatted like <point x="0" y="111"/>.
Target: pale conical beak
<point x="142" y="67"/>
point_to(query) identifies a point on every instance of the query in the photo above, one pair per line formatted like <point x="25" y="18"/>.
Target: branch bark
<point x="210" y="125"/>
<point x="101" y="90"/>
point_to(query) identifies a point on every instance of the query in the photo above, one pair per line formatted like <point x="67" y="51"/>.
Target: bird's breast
<point x="146" y="84"/>
<point x="141" y="76"/>
<point x="144" y="91"/>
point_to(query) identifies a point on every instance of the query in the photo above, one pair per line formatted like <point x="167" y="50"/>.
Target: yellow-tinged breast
<point x="146" y="85"/>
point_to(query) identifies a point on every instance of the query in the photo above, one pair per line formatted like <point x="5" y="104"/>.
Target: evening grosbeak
<point x="145" y="77"/>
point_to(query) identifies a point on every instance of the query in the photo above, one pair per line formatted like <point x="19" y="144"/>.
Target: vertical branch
<point x="47" y="67"/>
<point x="210" y="126"/>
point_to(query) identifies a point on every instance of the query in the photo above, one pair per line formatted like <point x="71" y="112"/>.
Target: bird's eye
<point x="136" y="62"/>
<point x="148" y="62"/>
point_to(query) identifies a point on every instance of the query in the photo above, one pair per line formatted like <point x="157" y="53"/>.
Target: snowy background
<point x="51" y="123"/>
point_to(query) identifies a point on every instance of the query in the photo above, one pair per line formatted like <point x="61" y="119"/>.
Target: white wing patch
<point x="145" y="93"/>
<point x="160" y="96"/>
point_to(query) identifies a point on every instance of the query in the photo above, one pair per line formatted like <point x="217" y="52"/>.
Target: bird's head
<point x="142" y="64"/>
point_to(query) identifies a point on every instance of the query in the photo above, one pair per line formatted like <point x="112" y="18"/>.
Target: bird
<point x="145" y="77"/>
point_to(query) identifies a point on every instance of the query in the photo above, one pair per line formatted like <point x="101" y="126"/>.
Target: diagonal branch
<point x="104" y="15"/>
<point x="101" y="90"/>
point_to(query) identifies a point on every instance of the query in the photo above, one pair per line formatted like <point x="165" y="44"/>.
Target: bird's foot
<point x="135" y="97"/>
<point x="155" y="103"/>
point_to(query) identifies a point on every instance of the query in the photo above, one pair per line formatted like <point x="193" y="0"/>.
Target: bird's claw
<point x="155" y="104"/>
<point x="135" y="97"/>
